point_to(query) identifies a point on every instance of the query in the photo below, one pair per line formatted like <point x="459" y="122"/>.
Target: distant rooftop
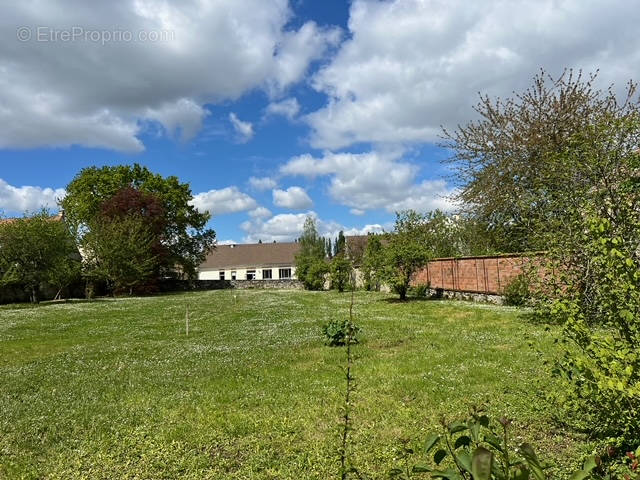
<point x="251" y="255"/>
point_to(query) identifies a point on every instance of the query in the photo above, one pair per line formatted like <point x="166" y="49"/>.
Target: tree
<point x="373" y="263"/>
<point x="66" y="271"/>
<point x="457" y="235"/>
<point x="506" y="160"/>
<point x="340" y="245"/>
<point x="35" y="250"/>
<point x="120" y="251"/>
<point x="144" y="208"/>
<point x="311" y="266"/>
<point x="340" y="271"/>
<point x="406" y="250"/>
<point x="184" y="237"/>
<point x="593" y="280"/>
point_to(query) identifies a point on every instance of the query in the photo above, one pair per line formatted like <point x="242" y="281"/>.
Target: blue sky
<point x="274" y="110"/>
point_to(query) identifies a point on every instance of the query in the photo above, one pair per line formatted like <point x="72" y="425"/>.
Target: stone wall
<point x="469" y="296"/>
<point x="267" y="284"/>
<point x="197" y="285"/>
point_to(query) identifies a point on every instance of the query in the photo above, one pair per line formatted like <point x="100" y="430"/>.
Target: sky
<point x="273" y="110"/>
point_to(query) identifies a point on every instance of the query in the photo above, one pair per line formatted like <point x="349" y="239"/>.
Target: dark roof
<point x="251" y="255"/>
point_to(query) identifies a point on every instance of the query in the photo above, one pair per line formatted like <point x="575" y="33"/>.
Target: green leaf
<point x="484" y="421"/>
<point x="481" y="464"/>
<point x="421" y="469"/>
<point x="580" y="475"/>
<point x="462" y="441"/>
<point x="439" y="456"/>
<point x="521" y="473"/>
<point x="493" y="440"/>
<point x="456" y="427"/>
<point x="394" y="472"/>
<point x="464" y="460"/>
<point x="449" y="474"/>
<point x="532" y="460"/>
<point x="590" y="463"/>
<point x="431" y="442"/>
<point x="475" y="431"/>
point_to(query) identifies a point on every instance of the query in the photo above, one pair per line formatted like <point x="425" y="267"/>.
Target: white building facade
<point x="256" y="261"/>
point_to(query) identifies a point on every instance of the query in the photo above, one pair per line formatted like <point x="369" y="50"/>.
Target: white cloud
<point x="182" y="118"/>
<point x="98" y="93"/>
<point x="293" y="197"/>
<point x="410" y="66"/>
<point x="373" y="180"/>
<point x="244" y="130"/>
<point x="286" y="227"/>
<point x="27" y="198"/>
<point x="289" y="108"/>
<point x="356" y="211"/>
<point x="262" y="183"/>
<point x="281" y="228"/>
<point x="223" y="201"/>
<point x="298" y="49"/>
<point x="260" y="212"/>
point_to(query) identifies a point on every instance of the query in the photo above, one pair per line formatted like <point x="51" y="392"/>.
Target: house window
<point x="233" y="274"/>
<point x="266" y="274"/>
<point x="284" y="273"/>
<point x="251" y="274"/>
<point x="221" y="274"/>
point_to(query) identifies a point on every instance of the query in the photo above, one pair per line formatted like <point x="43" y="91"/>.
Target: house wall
<point x="241" y="273"/>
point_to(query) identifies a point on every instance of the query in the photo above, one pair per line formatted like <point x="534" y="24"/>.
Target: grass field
<point x="115" y="389"/>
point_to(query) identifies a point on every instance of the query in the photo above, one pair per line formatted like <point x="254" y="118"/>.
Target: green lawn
<point x="115" y="389"/>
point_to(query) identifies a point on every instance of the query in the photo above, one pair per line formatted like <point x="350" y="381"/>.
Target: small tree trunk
<point x="403" y="292"/>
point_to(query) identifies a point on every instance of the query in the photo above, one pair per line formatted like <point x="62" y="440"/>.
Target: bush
<point x="517" y="293"/>
<point x="601" y="362"/>
<point x="420" y="291"/>
<point x="337" y="333"/>
<point x="340" y="272"/>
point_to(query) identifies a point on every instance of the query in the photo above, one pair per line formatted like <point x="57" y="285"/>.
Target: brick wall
<point x="487" y="275"/>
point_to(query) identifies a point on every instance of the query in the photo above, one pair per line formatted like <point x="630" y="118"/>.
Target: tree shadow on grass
<point x="50" y="303"/>
<point x="394" y="300"/>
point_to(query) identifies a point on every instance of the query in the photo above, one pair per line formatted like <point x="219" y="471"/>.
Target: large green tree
<point x="504" y="160"/>
<point x="120" y="251"/>
<point x="185" y="238"/>
<point x="35" y="250"/>
<point x="311" y="264"/>
<point x="407" y="249"/>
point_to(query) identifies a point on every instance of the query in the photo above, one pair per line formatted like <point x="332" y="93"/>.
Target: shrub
<point x="338" y="331"/>
<point x="340" y="272"/>
<point x="517" y="293"/>
<point x="420" y="291"/>
<point x="601" y="362"/>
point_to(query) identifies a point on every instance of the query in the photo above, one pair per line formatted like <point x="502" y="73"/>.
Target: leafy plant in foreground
<point x="474" y="450"/>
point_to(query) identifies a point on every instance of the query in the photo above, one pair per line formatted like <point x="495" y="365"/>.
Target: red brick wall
<point x="472" y="274"/>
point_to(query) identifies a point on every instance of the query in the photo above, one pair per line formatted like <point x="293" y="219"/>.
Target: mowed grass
<point x="115" y="389"/>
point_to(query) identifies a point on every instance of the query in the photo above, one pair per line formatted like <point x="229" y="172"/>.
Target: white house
<point x="253" y="261"/>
